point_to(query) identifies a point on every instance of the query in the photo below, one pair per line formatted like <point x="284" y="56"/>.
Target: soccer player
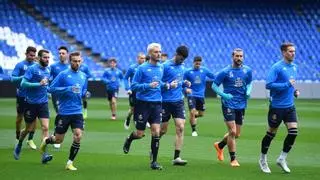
<point x="84" y="68"/>
<point x="35" y="82"/>
<point x="172" y="99"/>
<point x="112" y="77"/>
<point x="127" y="82"/>
<point x="17" y="75"/>
<point x="197" y="76"/>
<point x="58" y="67"/>
<point x="147" y="84"/>
<point x="236" y="80"/>
<point x="69" y="87"/>
<point x="280" y="82"/>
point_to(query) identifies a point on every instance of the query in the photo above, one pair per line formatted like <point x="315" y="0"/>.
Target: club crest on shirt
<point x="25" y="67"/>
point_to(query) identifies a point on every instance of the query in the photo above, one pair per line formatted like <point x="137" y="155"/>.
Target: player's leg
<point x="141" y="115"/>
<point x="231" y="142"/>
<point x="131" y="110"/>
<point x="19" y="118"/>
<point x="155" y="120"/>
<point x="77" y="127"/>
<point x="291" y="123"/>
<point x="166" y="115"/>
<point x="29" y="127"/>
<point x="274" y="120"/>
<point x="114" y="108"/>
<point x="85" y="108"/>
<point x="192" y="115"/>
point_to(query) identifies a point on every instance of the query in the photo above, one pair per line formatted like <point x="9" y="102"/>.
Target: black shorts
<point x="20" y="104"/>
<point x="146" y="111"/>
<point x="34" y="111"/>
<point x="277" y="115"/>
<point x="132" y="99"/>
<point x="196" y="103"/>
<point x="236" y="115"/>
<point x="62" y="123"/>
<point x="174" y="109"/>
<point x="112" y="93"/>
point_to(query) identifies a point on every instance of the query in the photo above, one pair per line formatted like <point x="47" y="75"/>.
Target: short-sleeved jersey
<point x="281" y="91"/>
<point x="19" y="71"/>
<point x="198" y="77"/>
<point x="234" y="81"/>
<point x="34" y="74"/>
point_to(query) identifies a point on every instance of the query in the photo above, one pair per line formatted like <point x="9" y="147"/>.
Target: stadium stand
<point x="121" y="28"/>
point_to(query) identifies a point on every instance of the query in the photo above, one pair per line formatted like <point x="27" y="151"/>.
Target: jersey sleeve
<point x="271" y="81"/>
<point x="219" y="77"/>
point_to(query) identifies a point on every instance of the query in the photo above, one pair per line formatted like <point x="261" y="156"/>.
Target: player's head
<point x="197" y="62"/>
<point x="154" y="51"/>
<point x="182" y="53"/>
<point x="237" y="57"/>
<point x="288" y="51"/>
<point x="112" y="62"/>
<point x="141" y="58"/>
<point x="44" y="57"/>
<point x="164" y="57"/>
<point x="31" y="53"/>
<point x="63" y="53"/>
<point x="75" y="60"/>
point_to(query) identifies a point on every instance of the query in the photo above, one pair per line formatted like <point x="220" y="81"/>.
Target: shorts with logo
<point x="236" y="115"/>
<point x="62" y="123"/>
<point x="33" y="111"/>
<point x="277" y="115"/>
<point x="174" y="109"/>
<point x="147" y="111"/>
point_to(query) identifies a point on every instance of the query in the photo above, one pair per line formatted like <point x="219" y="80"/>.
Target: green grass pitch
<point x="101" y="155"/>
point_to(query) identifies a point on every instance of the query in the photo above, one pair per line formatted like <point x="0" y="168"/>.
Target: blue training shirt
<point x="281" y="91"/>
<point x="145" y="74"/>
<point x="56" y="68"/>
<point x="18" y="73"/>
<point x="69" y="87"/>
<point x="84" y="68"/>
<point x="197" y="77"/>
<point x="34" y="74"/>
<point x="234" y="81"/>
<point x="171" y="72"/>
<point x="129" y="76"/>
<point x="112" y="77"/>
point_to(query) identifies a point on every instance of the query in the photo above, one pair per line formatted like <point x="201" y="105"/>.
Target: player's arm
<point x="126" y="79"/>
<point x="15" y="74"/>
<point x="26" y="80"/>
<point x="209" y="73"/>
<point x="216" y="83"/>
<point x="85" y="93"/>
<point x="55" y="86"/>
<point x="272" y="85"/>
<point x="105" y="78"/>
<point x="249" y="84"/>
<point x="136" y="82"/>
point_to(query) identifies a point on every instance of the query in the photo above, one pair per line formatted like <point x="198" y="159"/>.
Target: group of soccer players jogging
<point x="156" y="93"/>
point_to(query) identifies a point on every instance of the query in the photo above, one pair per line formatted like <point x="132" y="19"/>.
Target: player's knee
<point x="44" y="128"/>
<point x="77" y="137"/>
<point x="232" y="133"/>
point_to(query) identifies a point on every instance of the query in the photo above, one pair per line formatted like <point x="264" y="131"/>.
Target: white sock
<point x="69" y="162"/>
<point x="263" y="156"/>
<point x="283" y="155"/>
